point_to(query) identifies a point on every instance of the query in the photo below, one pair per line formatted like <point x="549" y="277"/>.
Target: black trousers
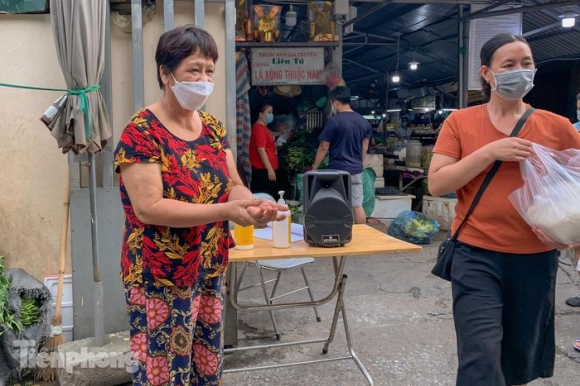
<point x="261" y="184"/>
<point x="503" y="308"/>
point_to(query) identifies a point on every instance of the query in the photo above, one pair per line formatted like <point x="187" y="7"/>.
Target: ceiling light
<point x="396" y="78"/>
<point x="568" y="19"/>
<point x="290" y="17"/>
<point x="414" y="64"/>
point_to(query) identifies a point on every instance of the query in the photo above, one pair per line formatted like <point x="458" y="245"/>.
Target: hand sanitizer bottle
<point x="281" y="230"/>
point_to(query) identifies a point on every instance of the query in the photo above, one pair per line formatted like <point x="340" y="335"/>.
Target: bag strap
<point x="492" y="172"/>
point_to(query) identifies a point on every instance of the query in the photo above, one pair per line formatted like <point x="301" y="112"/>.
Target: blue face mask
<point x="269" y="118"/>
<point x="513" y="85"/>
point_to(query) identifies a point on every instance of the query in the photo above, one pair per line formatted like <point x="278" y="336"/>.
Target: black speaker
<point x="328" y="216"/>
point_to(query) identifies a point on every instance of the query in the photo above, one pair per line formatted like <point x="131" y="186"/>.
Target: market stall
<point x="285" y="58"/>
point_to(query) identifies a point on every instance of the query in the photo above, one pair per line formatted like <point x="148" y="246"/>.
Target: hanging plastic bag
<point x="368" y="178"/>
<point x="413" y="227"/>
<point x="550" y="196"/>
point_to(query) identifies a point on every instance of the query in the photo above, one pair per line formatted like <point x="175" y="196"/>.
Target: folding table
<point x="365" y="241"/>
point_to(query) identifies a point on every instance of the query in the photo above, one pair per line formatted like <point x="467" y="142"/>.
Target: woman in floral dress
<point x="179" y="188"/>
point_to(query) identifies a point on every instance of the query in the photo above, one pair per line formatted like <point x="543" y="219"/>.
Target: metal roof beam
<point x="547" y="36"/>
<point x="365" y="36"/>
<point x="473" y="15"/>
<point x="367" y="13"/>
<point x="524" y="9"/>
<point x="361" y="66"/>
<point x="541" y="29"/>
<point x="423" y="2"/>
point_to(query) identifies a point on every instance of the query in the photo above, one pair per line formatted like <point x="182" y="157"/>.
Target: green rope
<point x="81" y="93"/>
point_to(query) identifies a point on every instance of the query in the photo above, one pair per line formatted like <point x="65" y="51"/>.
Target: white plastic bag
<point x="550" y="196"/>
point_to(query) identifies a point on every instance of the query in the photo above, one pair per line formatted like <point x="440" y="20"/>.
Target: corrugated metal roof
<point x="429" y="34"/>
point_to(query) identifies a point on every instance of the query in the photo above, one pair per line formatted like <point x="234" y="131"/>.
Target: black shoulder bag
<point x="446" y="250"/>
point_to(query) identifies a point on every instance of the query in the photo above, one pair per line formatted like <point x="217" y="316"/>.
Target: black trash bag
<point x="18" y="350"/>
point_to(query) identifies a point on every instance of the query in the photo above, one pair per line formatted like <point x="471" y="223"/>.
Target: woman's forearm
<point x="264" y="158"/>
<point x="453" y="176"/>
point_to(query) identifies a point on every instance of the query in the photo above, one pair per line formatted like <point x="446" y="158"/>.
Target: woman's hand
<point x="271" y="174"/>
<point x="266" y="211"/>
<point x="510" y="149"/>
<point x="254" y="212"/>
<point x="544" y="238"/>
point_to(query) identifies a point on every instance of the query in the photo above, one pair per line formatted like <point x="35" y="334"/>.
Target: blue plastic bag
<point x="413" y="227"/>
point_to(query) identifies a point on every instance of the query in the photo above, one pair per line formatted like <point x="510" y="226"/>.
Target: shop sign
<point x="481" y="30"/>
<point x="287" y="66"/>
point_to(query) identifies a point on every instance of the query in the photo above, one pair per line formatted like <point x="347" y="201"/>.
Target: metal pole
<point x="200" y="14"/>
<point x="100" y="340"/>
<point x="168" y="12"/>
<point x="462" y="50"/>
<point x="466" y="27"/>
<point x="230" y="60"/>
<point x="137" y="38"/>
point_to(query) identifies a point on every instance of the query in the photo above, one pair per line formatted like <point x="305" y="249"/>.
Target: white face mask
<point x="513" y="85"/>
<point x="333" y="109"/>
<point x="578" y="114"/>
<point x="191" y="95"/>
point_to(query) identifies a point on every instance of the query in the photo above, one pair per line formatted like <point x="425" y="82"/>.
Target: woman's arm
<point x="261" y="211"/>
<point x="144" y="185"/>
<point x="448" y="174"/>
<point x="265" y="160"/>
<point x="239" y="191"/>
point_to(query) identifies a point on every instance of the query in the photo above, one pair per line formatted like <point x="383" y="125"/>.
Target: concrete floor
<point x="401" y="325"/>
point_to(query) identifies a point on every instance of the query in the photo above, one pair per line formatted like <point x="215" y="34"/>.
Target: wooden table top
<point x="365" y="241"/>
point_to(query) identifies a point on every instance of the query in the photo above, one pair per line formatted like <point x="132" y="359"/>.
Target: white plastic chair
<point x="279" y="266"/>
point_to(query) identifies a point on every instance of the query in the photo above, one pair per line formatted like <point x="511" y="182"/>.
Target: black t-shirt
<point x="345" y="132"/>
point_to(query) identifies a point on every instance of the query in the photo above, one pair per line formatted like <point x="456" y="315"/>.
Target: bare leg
<point x="359" y="215"/>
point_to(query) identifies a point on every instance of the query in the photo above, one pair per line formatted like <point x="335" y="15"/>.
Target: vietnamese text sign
<point x="286" y="66"/>
<point x="480" y="31"/>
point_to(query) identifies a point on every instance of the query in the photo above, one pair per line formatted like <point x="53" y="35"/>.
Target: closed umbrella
<point x="79" y="33"/>
<point x="82" y="122"/>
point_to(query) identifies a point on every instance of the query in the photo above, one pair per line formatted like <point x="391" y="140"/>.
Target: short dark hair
<point x="341" y="94"/>
<point x="489" y="49"/>
<point x="265" y="107"/>
<point x="181" y="42"/>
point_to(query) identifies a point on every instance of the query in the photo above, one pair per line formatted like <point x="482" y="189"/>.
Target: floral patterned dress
<point x="173" y="276"/>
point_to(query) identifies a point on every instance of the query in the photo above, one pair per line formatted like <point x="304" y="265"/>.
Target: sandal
<point x="577" y="345"/>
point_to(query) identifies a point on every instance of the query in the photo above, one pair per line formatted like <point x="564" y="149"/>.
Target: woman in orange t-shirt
<point x="263" y="154"/>
<point x="503" y="273"/>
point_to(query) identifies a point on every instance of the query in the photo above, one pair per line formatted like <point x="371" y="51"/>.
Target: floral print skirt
<point x="177" y="333"/>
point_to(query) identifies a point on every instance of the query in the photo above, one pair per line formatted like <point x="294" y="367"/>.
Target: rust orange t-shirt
<point x="495" y="224"/>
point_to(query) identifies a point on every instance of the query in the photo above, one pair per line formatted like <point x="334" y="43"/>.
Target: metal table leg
<point x="341" y="309"/>
<point x="231" y="314"/>
<point x="338" y="289"/>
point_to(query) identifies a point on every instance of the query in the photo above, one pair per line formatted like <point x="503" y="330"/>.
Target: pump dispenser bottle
<point x="281" y="230"/>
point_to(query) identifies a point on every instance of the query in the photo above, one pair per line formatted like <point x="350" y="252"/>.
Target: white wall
<point x="33" y="171"/>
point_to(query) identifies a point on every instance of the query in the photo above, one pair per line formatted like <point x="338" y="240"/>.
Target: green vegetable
<point x="299" y="158"/>
<point x="29" y="312"/>
<point x="418" y="227"/>
<point x="6" y="316"/>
